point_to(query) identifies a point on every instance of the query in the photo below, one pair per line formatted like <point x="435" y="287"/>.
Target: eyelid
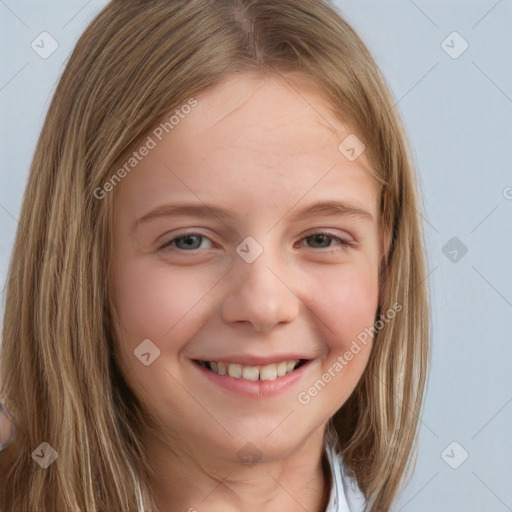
<point x="341" y="244"/>
<point x="329" y="232"/>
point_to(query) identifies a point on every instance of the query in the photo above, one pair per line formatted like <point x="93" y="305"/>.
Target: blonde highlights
<point x="136" y="62"/>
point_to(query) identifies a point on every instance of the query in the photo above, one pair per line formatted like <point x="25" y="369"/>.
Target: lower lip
<point x="255" y="388"/>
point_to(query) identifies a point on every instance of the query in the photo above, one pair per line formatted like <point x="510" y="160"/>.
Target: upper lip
<point x="249" y="360"/>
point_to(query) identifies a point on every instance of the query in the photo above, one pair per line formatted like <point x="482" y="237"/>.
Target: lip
<point x="256" y="388"/>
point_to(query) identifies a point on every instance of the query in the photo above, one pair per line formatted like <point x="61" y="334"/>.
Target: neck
<point x="188" y="478"/>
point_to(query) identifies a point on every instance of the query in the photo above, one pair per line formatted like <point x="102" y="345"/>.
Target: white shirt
<point x="345" y="493"/>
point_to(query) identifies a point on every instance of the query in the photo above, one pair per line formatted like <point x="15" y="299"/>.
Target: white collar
<point x="345" y="493"/>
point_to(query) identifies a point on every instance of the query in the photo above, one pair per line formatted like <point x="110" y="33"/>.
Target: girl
<point x="217" y="296"/>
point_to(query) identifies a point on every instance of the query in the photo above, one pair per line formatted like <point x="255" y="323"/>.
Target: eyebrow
<point x="325" y="208"/>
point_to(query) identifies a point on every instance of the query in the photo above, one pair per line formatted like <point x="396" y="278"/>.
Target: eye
<point x="186" y="242"/>
<point x="321" y="238"/>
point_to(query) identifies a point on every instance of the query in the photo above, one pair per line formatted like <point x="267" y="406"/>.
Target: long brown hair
<point x="135" y="63"/>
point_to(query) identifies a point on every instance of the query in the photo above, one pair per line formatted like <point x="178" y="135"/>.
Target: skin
<point x="264" y="150"/>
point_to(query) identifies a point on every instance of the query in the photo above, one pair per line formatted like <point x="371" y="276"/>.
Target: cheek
<point x="346" y="306"/>
<point x="350" y="304"/>
<point x="152" y="302"/>
<point x="348" y="313"/>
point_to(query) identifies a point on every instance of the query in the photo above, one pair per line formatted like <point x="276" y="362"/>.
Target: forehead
<point x="267" y="115"/>
<point x="260" y="138"/>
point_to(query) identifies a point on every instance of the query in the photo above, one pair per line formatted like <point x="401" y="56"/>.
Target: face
<point x="225" y="261"/>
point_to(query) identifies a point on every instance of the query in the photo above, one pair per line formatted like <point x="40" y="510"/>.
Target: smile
<point x="252" y="373"/>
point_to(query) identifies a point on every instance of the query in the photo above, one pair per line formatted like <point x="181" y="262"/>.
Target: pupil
<point x="189" y="241"/>
<point x="320" y="238"/>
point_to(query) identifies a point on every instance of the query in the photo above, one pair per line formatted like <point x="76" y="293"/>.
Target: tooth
<point x="234" y="370"/>
<point x="281" y="369"/>
<point x="290" y="365"/>
<point x="221" y="369"/>
<point x="213" y="366"/>
<point x="269" y="372"/>
<point x="250" y="373"/>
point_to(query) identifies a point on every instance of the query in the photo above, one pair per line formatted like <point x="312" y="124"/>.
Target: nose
<point x="260" y="294"/>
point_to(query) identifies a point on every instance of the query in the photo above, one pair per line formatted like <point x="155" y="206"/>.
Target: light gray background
<point x="457" y="112"/>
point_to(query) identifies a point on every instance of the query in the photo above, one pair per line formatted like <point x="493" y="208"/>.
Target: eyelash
<point x="345" y="244"/>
